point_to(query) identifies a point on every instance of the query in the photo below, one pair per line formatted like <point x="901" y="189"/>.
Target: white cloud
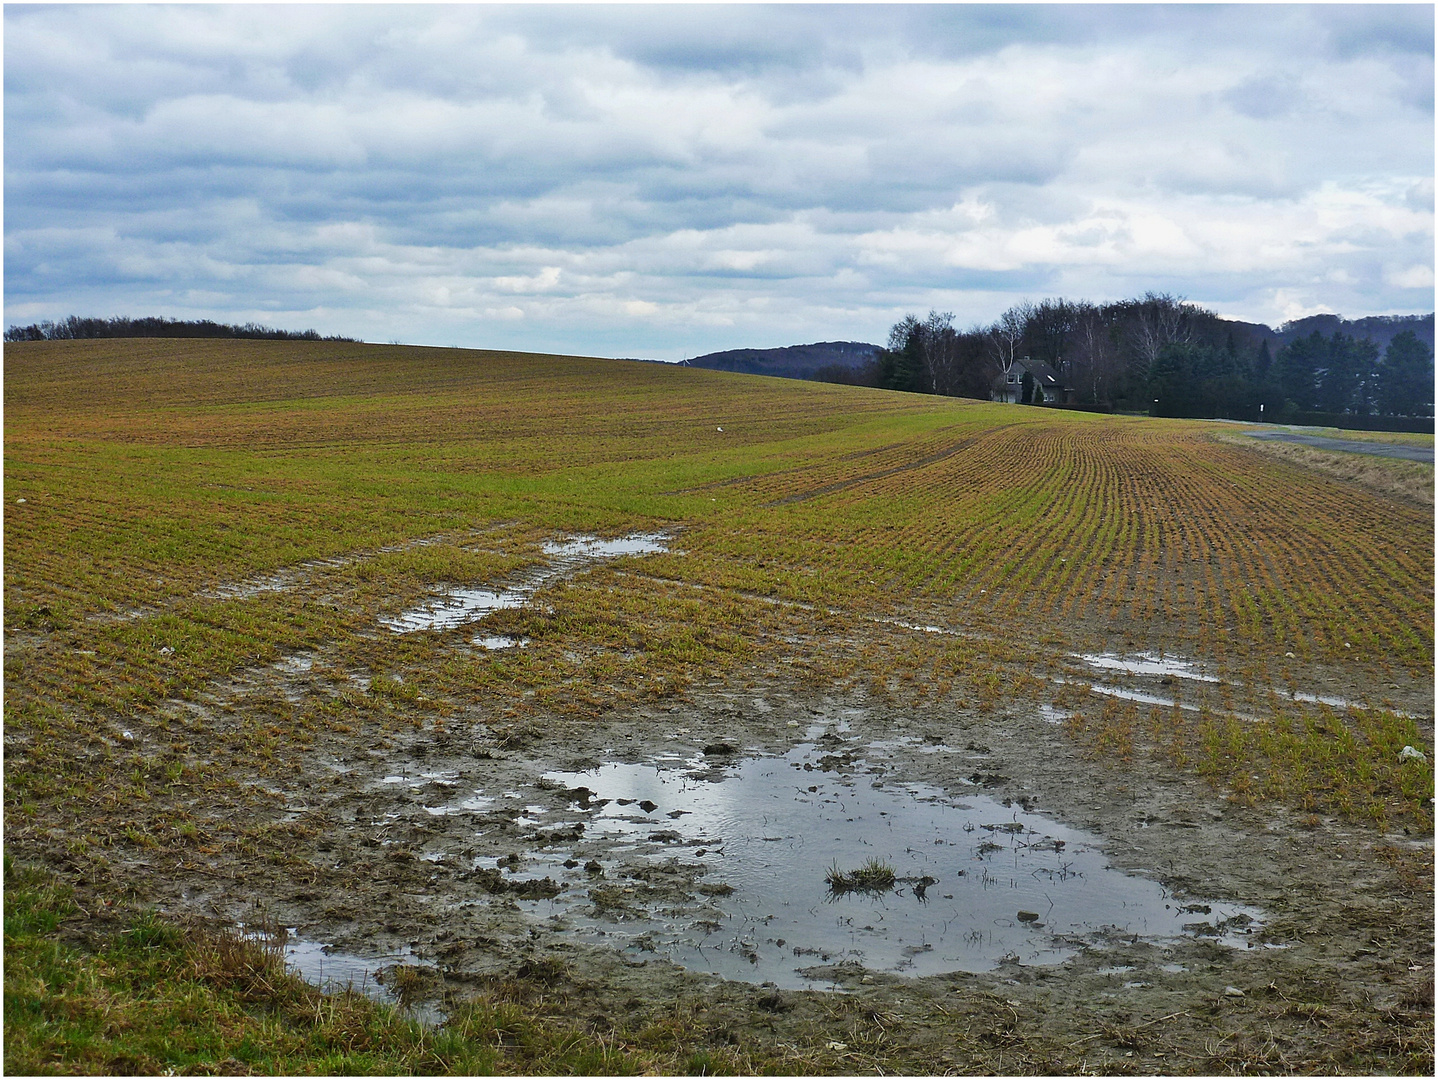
<point x="1419" y="276"/>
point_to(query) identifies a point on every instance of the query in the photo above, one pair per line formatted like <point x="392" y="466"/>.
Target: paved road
<point x="1377" y="449"/>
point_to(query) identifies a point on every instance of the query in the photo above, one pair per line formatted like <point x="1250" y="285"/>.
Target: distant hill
<point x="75" y="328"/>
<point x="1380" y="329"/>
<point x="791" y="361"/>
<point x="844" y="361"/>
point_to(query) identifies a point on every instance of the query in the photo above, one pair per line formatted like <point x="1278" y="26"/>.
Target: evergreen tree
<point x="1297" y="367"/>
<point x="1340" y="375"/>
<point x="1263" y="362"/>
<point x="901" y="365"/>
<point x="1405" y="377"/>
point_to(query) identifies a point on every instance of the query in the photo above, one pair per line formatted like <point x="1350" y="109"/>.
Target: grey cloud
<point x="1354" y="29"/>
<point x="1263" y="97"/>
<point x="559" y="177"/>
<point x="1420" y="195"/>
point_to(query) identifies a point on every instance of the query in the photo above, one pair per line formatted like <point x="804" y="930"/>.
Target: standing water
<point x="458" y="606"/>
<point x="975" y="883"/>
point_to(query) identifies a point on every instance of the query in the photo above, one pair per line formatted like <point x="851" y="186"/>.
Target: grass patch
<point x="160" y="999"/>
<point x="1313" y="760"/>
<point x="1411" y="480"/>
<point x="875" y="876"/>
<point x="156" y="998"/>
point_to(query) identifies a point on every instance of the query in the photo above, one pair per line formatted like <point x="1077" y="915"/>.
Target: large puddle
<point x="976" y="883"/>
<point x="457" y="606"/>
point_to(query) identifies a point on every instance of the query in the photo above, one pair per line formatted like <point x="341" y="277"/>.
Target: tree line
<point x="75" y="327"/>
<point x="1160" y="355"/>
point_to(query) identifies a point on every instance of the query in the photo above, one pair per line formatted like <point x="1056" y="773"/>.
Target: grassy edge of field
<point x="137" y="993"/>
<point x="1409" y="480"/>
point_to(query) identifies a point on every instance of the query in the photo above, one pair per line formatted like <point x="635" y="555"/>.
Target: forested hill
<point x="1155" y="353"/>
<point x="1379" y="329"/>
<point x="830" y="359"/>
<point x="792" y="361"/>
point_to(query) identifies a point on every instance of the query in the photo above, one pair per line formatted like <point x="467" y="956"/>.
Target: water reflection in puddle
<point x="978" y="883"/>
<point x="1147" y="664"/>
<point x="456" y="607"/>
<point x="474" y="804"/>
<point x="335" y="971"/>
<point x="499" y="641"/>
<point x="590" y="547"/>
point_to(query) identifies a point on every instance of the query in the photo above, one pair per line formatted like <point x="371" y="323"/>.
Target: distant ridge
<point x="1379" y="329"/>
<point x="75" y="328"/>
<point x="790" y="361"/>
<point x="847" y="361"/>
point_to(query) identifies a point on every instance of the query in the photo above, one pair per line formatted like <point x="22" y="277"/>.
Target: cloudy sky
<point x="669" y="180"/>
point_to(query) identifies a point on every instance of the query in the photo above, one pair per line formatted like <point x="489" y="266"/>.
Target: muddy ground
<point x="445" y="841"/>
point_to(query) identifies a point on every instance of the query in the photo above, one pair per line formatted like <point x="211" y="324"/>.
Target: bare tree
<point x="937" y="346"/>
<point x="1006" y="336"/>
<point x="1094" y="362"/>
<point x="1160" y="319"/>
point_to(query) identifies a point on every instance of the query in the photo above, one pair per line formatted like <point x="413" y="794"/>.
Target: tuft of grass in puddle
<point x="875" y="876"/>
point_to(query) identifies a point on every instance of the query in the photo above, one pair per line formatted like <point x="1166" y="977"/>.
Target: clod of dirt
<point x="546" y="970"/>
<point x="988" y="779"/>
<point x="774" y="1003"/>
<point x="495" y="883"/>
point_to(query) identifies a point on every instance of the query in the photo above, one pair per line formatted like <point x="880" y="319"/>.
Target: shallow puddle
<point x="456" y="607"/>
<point x="1147" y="664"/>
<point x="590" y="547"/>
<point x="334" y="971"/>
<point x="977" y="883"/>
<point x="499" y="641"/>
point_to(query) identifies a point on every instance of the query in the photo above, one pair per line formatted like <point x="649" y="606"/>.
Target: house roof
<point x="1042" y="373"/>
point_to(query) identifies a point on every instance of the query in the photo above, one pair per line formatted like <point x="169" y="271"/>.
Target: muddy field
<point x="746" y="724"/>
<point x="1054" y="909"/>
